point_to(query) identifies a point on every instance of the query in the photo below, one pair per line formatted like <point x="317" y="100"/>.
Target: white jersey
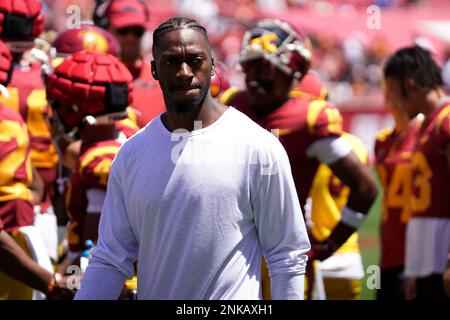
<point x="197" y="210"/>
<point x="427" y="246"/>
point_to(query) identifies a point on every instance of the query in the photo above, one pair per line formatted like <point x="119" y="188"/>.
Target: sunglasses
<point x="136" y="31"/>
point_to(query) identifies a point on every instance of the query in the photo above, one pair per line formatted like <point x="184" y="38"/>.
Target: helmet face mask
<point x="17" y="27"/>
<point x="279" y="43"/>
<point x="21" y="22"/>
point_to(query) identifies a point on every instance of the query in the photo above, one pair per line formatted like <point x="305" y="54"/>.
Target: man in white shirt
<point x="198" y="194"/>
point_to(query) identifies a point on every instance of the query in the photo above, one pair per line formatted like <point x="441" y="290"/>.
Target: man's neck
<point x="207" y="114"/>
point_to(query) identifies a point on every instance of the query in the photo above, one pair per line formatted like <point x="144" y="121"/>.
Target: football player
<point x="340" y="275"/>
<point x="88" y="38"/>
<point x="413" y="82"/>
<point x="393" y="153"/>
<point x="89" y="92"/>
<point x="16" y="200"/>
<point x="343" y="271"/>
<point x="23" y="22"/>
<point x="17" y="264"/>
<point x="274" y="58"/>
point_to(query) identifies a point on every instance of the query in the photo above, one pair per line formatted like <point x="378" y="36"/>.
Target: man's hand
<point x="57" y="289"/>
<point x="320" y="250"/>
<point x="60" y="293"/>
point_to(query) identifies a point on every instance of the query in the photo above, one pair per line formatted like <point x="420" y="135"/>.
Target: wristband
<point x="352" y="218"/>
<point x="56" y="279"/>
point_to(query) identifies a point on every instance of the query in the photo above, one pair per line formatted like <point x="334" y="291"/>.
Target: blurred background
<point x="351" y="39"/>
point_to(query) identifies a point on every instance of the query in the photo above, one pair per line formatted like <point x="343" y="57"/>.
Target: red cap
<point x="127" y="13"/>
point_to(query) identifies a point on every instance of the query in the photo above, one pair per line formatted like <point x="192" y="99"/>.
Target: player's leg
<point x="430" y="288"/>
<point x="392" y="284"/>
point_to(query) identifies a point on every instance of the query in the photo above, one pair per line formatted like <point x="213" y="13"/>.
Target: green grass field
<point x="369" y="245"/>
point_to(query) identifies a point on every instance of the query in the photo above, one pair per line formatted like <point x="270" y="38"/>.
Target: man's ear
<point x="155" y="76"/>
<point x="213" y="70"/>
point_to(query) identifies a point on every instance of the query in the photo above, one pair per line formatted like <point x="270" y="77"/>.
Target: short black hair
<point x="414" y="63"/>
<point x="175" y="24"/>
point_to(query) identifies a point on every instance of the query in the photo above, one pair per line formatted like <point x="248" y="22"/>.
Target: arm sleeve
<point x="329" y="150"/>
<point x="116" y="251"/>
<point x="100" y="282"/>
<point x="287" y="286"/>
<point x="281" y="227"/>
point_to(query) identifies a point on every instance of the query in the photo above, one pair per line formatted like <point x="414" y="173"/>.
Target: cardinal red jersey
<point x="147" y="96"/>
<point x="298" y="123"/>
<point x="28" y="97"/>
<point x="15" y="171"/>
<point x="310" y="87"/>
<point x="431" y="174"/>
<point x="91" y="172"/>
<point x="15" y="165"/>
<point x="393" y="153"/>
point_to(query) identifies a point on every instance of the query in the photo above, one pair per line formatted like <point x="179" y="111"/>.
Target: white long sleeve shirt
<point x="197" y="210"/>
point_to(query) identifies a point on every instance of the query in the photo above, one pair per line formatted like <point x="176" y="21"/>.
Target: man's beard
<point x="192" y="105"/>
<point x="187" y="107"/>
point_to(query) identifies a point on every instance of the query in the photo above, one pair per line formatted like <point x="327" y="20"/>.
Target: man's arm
<point x="37" y="187"/>
<point x="363" y="191"/>
<point x="18" y="265"/>
<point x="281" y="227"/>
<point x="116" y="250"/>
<point x="337" y="154"/>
